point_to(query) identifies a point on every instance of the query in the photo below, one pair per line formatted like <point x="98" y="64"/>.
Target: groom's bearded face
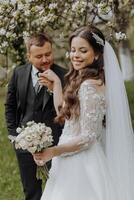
<point x="41" y="57"/>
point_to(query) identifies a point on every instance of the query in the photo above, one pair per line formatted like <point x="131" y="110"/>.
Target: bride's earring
<point x="96" y="58"/>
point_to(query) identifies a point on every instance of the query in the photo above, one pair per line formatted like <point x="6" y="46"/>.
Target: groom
<point x="24" y="103"/>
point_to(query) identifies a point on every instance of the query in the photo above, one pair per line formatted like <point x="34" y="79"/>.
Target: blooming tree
<point x="19" y="18"/>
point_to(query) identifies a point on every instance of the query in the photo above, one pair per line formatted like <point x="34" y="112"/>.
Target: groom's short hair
<point x="38" y="39"/>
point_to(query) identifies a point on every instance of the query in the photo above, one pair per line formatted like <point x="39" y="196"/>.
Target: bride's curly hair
<point x="71" y="107"/>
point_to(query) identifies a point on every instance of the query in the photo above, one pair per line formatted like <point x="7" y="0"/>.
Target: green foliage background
<point x="130" y="92"/>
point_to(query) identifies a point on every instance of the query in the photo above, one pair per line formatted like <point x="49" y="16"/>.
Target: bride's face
<point x="82" y="53"/>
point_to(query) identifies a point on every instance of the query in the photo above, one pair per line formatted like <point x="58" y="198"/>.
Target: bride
<point x="94" y="159"/>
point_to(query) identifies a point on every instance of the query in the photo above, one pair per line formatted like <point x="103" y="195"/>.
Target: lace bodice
<point x="92" y="110"/>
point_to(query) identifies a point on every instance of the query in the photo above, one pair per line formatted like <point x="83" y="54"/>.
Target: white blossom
<point x="120" y="36"/>
<point x="27" y="12"/>
<point x="78" y="5"/>
<point x="30" y="15"/>
<point x="40" y="8"/>
<point x="20" y="6"/>
<point x="4" y="44"/>
<point x="2" y="31"/>
<point x="67" y="54"/>
<point x="103" y="8"/>
<point x="15" y="13"/>
<point x="52" y="6"/>
<point x="75" y="5"/>
<point x="29" y="1"/>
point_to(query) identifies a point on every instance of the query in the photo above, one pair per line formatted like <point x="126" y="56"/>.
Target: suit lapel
<point x="24" y="82"/>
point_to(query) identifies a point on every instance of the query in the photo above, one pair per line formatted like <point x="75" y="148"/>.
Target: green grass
<point x="130" y="92"/>
<point x="10" y="184"/>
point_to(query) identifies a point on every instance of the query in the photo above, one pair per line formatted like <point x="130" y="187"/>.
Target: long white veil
<point x="119" y="133"/>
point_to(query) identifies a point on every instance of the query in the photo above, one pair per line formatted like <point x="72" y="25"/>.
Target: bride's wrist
<point x="52" y="152"/>
<point x="55" y="151"/>
<point x="57" y="81"/>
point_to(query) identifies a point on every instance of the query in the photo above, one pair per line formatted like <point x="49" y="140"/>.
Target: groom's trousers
<point x="31" y="186"/>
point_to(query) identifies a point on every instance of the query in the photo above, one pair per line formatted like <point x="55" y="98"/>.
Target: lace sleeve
<point x="92" y="111"/>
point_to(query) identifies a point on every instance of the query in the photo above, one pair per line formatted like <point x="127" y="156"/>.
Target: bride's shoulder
<point x="93" y="85"/>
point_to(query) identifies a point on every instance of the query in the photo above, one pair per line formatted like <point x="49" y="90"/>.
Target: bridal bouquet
<point x="35" y="137"/>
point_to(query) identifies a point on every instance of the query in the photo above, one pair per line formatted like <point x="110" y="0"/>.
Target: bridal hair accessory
<point x="98" y="39"/>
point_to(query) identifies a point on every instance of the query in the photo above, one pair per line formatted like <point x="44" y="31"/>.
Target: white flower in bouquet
<point x="35" y="137"/>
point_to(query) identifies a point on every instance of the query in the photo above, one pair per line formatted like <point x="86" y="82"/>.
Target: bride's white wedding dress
<point x="83" y="175"/>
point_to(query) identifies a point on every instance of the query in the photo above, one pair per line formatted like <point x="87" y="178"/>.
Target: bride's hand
<point x="39" y="162"/>
<point x="50" y="75"/>
<point x="44" y="156"/>
<point x="46" y="82"/>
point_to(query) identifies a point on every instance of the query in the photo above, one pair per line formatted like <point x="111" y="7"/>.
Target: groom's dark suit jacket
<point x="22" y="105"/>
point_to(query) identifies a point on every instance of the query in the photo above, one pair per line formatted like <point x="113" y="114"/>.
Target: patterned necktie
<point x="37" y="85"/>
<point x="37" y="88"/>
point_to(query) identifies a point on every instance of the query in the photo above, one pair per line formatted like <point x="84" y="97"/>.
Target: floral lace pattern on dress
<point x="92" y="111"/>
<point x="88" y="127"/>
